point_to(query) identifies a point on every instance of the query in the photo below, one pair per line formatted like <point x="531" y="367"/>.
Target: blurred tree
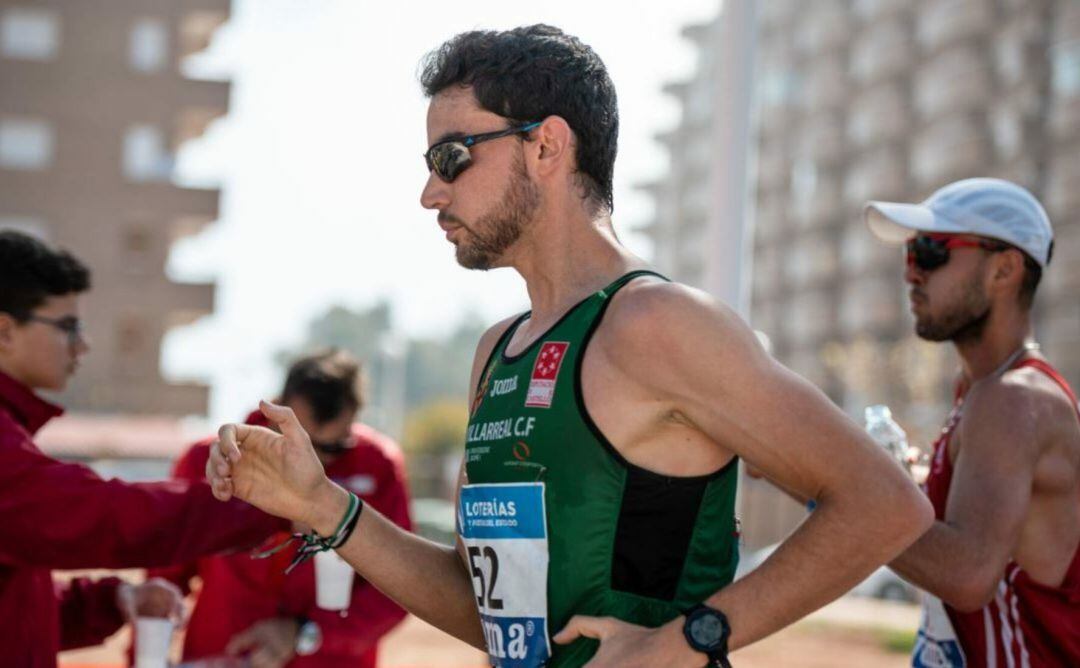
<point x="440" y="368"/>
<point x="359" y="332"/>
<point x="436" y="428"/>
<point x="402" y="374"/>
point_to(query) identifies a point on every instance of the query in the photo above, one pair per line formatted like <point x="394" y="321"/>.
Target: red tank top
<point x="1026" y="623"/>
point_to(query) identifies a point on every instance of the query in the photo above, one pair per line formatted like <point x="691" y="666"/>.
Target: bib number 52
<point x="477" y="556"/>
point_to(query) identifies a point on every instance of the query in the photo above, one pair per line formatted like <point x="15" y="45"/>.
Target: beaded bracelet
<point x="312" y="543"/>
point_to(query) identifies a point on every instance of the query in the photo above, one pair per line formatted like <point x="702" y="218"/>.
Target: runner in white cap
<point x="1001" y="563"/>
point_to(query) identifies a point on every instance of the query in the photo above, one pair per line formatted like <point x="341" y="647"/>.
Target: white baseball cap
<point x="992" y="208"/>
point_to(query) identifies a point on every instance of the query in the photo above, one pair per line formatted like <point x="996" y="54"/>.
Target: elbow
<point x="916" y="516"/>
<point x="972" y="592"/>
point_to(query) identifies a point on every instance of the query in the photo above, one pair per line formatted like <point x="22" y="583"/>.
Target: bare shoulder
<point x="490" y="338"/>
<point x="486" y="346"/>
<point x="664" y="317"/>
<point x="1019" y="408"/>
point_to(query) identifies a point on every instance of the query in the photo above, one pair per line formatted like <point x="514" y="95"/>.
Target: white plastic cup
<point x="153" y="636"/>
<point x="333" y="581"/>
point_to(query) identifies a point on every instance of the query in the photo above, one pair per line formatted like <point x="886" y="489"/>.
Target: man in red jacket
<point x="252" y="608"/>
<point x="61" y="515"/>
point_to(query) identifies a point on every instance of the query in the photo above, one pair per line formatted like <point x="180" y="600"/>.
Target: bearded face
<point x="495" y="231"/>
<point x="958" y="316"/>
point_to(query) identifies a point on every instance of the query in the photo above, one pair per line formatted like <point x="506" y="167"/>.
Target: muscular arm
<point x="712" y="373"/>
<point x="280" y="474"/>
<point x="962" y="558"/>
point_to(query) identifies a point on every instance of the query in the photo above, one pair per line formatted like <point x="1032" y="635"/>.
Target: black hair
<point x="31" y="272"/>
<point x="329" y="382"/>
<point x="532" y="72"/>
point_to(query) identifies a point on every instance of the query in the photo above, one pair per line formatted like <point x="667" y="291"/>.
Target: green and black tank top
<point x="556" y="522"/>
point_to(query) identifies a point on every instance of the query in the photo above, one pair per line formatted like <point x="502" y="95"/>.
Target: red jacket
<point x="238" y="591"/>
<point x="59" y="515"/>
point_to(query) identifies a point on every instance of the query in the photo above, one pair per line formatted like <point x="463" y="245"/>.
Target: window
<point x="148" y="50"/>
<point x="779" y="87"/>
<point x="29" y="33"/>
<point x="804" y="182"/>
<point x="1066" y="64"/>
<point x="145" y="158"/>
<point x="25" y="143"/>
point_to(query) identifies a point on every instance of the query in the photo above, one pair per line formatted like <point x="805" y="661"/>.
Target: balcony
<point x="872" y="10"/>
<point x="1062" y="198"/>
<point x="826" y="28"/>
<point x="821" y="140"/>
<point x="1063" y="280"/>
<point x="954" y="81"/>
<point x="945" y="22"/>
<point x="778" y="12"/>
<point x="951" y="149"/>
<point x="879" y="115"/>
<point x="871" y="303"/>
<point x="827" y="85"/>
<point x="880" y="174"/>
<point x="883" y="51"/>
<point x="1067" y="22"/>
<point x="1064" y="120"/>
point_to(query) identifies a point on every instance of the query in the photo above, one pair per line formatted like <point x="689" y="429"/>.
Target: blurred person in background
<point x="596" y="499"/>
<point x="1001" y="563"/>
<point x="62" y="515"/>
<point x="251" y="607"/>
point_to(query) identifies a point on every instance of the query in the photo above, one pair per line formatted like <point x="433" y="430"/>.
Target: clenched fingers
<point x="587" y="627"/>
<point x="219" y="472"/>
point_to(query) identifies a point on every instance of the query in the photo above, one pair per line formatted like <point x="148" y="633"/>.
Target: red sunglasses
<point x="930" y="251"/>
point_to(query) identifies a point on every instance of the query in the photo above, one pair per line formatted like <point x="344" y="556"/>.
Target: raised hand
<point x="278" y="473"/>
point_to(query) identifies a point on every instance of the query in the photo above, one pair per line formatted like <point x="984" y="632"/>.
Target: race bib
<point x="936" y="645"/>
<point x="504" y="529"/>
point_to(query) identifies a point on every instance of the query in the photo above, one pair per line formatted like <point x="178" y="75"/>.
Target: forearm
<point x="425" y="578"/>
<point x="838" y="546"/>
<point x="943" y="563"/>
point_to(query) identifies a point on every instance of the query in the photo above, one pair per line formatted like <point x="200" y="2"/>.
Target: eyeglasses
<point x="448" y="159"/>
<point x="930" y="251"/>
<point x="69" y="325"/>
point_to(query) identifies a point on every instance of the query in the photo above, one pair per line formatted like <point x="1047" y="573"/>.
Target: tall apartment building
<point x="697" y="230"/>
<point x="93" y="106"/>
<point x="890" y="99"/>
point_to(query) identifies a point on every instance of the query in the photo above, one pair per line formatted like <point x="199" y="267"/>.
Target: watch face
<point x="706" y="629"/>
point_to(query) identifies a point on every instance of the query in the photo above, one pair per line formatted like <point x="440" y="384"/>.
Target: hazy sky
<point x="319" y="161"/>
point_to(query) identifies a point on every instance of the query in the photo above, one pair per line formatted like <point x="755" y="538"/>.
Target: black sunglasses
<point x="930" y="251"/>
<point x="450" y="158"/>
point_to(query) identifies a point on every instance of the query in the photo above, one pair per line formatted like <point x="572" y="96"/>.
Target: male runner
<point x="597" y="489"/>
<point x="1005" y="476"/>
<point x="251" y="607"/>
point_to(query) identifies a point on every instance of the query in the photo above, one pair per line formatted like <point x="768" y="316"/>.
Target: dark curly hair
<point x="31" y="272"/>
<point x="532" y="72"/>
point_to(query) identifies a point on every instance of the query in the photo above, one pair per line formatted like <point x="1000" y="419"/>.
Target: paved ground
<point x="848" y="633"/>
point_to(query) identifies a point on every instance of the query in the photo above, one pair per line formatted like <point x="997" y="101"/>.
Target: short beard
<point x="493" y="233"/>
<point x="964" y="324"/>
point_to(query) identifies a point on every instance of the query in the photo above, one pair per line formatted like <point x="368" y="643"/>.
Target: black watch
<point x="707" y="631"/>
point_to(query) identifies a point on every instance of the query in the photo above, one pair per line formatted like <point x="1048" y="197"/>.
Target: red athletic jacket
<point x="238" y="591"/>
<point x="59" y="515"/>
<point x="1026" y="624"/>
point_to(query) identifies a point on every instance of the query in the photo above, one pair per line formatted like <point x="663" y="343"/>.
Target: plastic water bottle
<point x="889" y="435"/>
